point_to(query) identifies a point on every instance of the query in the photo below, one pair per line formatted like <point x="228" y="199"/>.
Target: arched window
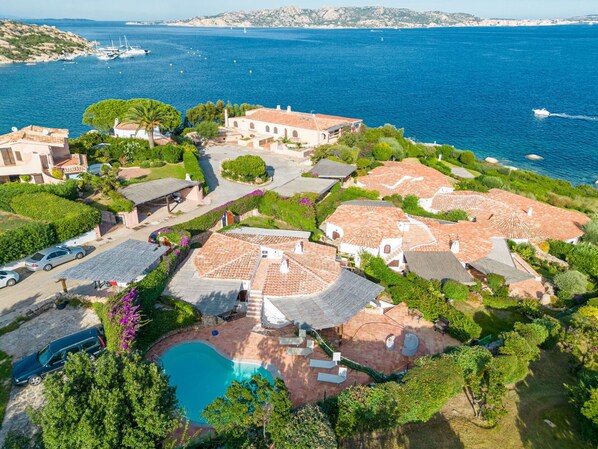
<point x="251" y="126"/>
<point x="275" y="130"/>
<point x="386" y="249"/>
<point x="323" y="136"/>
<point x="235" y="124"/>
<point x="267" y="128"/>
<point x="295" y="134"/>
<point x="335" y="235"/>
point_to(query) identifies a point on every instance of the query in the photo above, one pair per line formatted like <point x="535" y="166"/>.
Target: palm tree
<point x="147" y="116"/>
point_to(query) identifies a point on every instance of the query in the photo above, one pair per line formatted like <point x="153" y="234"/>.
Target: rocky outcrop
<point x="357" y="17"/>
<point x="21" y="42"/>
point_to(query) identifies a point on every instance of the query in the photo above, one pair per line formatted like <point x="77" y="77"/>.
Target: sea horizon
<point x="473" y="88"/>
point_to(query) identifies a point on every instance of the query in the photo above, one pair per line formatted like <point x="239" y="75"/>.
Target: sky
<point x="179" y="9"/>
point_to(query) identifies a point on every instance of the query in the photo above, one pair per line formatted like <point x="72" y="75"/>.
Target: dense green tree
<point x="250" y="411"/>
<point x="584" y="257"/>
<point x="591" y="230"/>
<point x="467" y="157"/>
<point x="308" y="428"/>
<point x="115" y="402"/>
<point x="382" y="151"/>
<point x="210" y="112"/>
<point x="208" y="130"/>
<point x="102" y="115"/>
<point x="245" y="168"/>
<point x="397" y="150"/>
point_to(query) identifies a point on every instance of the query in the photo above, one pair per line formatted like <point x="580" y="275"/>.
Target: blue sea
<point x="474" y="88"/>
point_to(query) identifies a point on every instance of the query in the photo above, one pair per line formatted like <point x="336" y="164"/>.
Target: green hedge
<point x="246" y="168"/>
<point x="500" y="302"/>
<point x="10" y="190"/>
<point x="191" y="164"/>
<point x="68" y="218"/>
<point x="25" y="240"/>
<point x="208" y="220"/>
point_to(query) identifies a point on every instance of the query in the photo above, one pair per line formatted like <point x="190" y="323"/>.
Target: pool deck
<point x="363" y="341"/>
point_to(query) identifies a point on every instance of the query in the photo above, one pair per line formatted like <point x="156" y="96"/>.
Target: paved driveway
<point x="39" y="286"/>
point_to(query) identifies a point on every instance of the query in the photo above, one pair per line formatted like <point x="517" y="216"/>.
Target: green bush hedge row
<point x="455" y="290"/>
<point x="191" y="164"/>
<point x="25" y="240"/>
<point x="10" y="190"/>
<point x="68" y="218"/>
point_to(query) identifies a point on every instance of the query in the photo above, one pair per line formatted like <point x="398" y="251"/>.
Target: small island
<point x="25" y="43"/>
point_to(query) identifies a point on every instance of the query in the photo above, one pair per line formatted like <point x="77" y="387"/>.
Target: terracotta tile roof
<point x="265" y="240"/>
<point x="224" y="257"/>
<point x="36" y="134"/>
<point x="300" y="120"/>
<point x="405" y="178"/>
<point x="127" y="126"/>
<point x="474" y="238"/>
<point x="366" y="224"/>
<point x="510" y="214"/>
<point x="231" y="256"/>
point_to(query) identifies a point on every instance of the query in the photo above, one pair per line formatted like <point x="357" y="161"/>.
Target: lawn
<point x="492" y="321"/>
<point x="10" y="221"/>
<point x="168" y="171"/>
<point x="540" y="396"/>
<point x="266" y="223"/>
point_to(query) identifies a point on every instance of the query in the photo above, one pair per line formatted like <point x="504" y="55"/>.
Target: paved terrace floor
<point x="365" y="335"/>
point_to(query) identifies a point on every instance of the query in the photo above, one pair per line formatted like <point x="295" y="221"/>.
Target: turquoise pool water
<point x="201" y="375"/>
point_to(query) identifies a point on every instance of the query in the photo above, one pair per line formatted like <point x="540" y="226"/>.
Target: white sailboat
<point x="131" y="51"/>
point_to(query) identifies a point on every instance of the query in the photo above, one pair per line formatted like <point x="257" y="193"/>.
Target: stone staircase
<point x="389" y="257"/>
<point x="255" y="304"/>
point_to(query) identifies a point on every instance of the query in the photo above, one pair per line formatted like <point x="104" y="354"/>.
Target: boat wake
<point x="587" y="118"/>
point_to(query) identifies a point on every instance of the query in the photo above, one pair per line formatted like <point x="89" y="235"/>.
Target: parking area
<point x="30" y="337"/>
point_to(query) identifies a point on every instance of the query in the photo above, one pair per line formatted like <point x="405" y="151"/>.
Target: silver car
<point x="8" y="278"/>
<point x="46" y="259"/>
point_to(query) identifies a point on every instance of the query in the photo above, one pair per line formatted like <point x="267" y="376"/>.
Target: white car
<point x="8" y="278"/>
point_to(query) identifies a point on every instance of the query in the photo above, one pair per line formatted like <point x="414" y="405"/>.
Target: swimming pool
<point x="201" y="375"/>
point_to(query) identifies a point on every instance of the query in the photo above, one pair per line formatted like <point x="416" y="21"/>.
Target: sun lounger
<point x="302" y="333"/>
<point x="324" y="364"/>
<point x="290" y="341"/>
<point x="299" y="351"/>
<point x="334" y="378"/>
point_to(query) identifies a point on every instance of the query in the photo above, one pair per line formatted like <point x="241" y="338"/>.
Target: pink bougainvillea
<point x="125" y="314"/>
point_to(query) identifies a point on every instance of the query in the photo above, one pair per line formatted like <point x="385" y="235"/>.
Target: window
<point x="18" y="156"/>
<point x="235" y="124"/>
<point x="90" y="345"/>
<point x="264" y="253"/>
<point x="335" y="235"/>
<point x="251" y="126"/>
<point x="295" y="134"/>
<point x="275" y="130"/>
<point x="7" y="156"/>
<point x="386" y="249"/>
<point x="267" y="128"/>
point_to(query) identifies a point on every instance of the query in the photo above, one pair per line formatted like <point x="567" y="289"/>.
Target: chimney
<point x="116" y="122"/>
<point x="455" y="246"/>
<point x="289" y="109"/>
<point x="530" y="212"/>
<point x="284" y="266"/>
<point x="226" y="117"/>
<point x="299" y="247"/>
<point x="278" y="107"/>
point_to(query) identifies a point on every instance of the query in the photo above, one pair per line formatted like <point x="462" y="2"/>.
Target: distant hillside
<point x="332" y="17"/>
<point x="20" y="42"/>
<point x="357" y="17"/>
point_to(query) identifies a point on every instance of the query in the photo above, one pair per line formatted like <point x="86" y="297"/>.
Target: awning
<point x="144" y="192"/>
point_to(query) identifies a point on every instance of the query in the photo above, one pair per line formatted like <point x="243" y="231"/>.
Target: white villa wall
<point x="331" y="228"/>
<point x="273" y="317"/>
<point x="141" y="134"/>
<point x="395" y="243"/>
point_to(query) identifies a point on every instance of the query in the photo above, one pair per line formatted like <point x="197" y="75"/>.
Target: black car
<point x="52" y="358"/>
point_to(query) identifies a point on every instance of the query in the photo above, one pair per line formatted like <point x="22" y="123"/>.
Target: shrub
<point x="363" y="163"/>
<point x="467" y="157"/>
<point x="307" y="428"/>
<point x="471" y="184"/>
<point x="57" y="173"/>
<point x="591" y="230"/>
<point x="500" y="302"/>
<point x="25" y="240"/>
<point x="246" y="168"/>
<point x="119" y="203"/>
<point x="455" y="290"/>
<point x="572" y="281"/>
<point x="496" y="282"/>
<point x="193" y="168"/>
<point x="382" y="151"/>
<point x="584" y="258"/>
<point x="170" y="153"/>
<point x="492" y="182"/>
<point x="68" y="218"/>
<point x="145" y="164"/>
<point x="157" y="163"/>
<point x="208" y="130"/>
<point x="453" y="215"/>
<point x="298" y="211"/>
<point x="25" y="178"/>
<point x="397" y="151"/>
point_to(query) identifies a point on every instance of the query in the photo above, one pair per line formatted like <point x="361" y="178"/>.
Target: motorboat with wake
<point x="541" y="112"/>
